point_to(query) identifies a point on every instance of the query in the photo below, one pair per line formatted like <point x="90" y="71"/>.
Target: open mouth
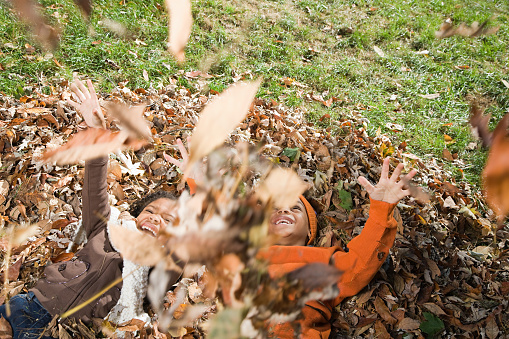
<point x="152" y="229"/>
<point x="283" y="220"/>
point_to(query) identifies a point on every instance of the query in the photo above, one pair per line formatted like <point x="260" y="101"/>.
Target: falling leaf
<point x="132" y="119"/>
<point x="379" y="51"/>
<point x="226" y="324"/>
<point x="85" y="145"/>
<point x="179" y="27"/>
<point x="479" y="124"/>
<point x="430" y="96"/>
<point x="220" y="117"/>
<point x="447" y="30"/>
<point x="496" y="172"/>
<point x="315" y="276"/>
<point x="5" y="329"/>
<point x="85" y="6"/>
<point x="283" y="187"/>
<point x="142" y="249"/>
<point x="29" y="12"/>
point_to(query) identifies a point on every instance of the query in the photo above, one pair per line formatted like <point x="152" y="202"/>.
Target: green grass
<point x="326" y="45"/>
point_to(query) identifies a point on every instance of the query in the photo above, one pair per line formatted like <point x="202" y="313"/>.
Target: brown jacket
<point x="67" y="284"/>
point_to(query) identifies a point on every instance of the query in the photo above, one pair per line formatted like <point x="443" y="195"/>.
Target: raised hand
<point x="390" y="190"/>
<point x="88" y="104"/>
<point x="181" y="164"/>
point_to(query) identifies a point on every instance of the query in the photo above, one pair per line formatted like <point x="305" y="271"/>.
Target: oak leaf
<point x="282" y="187"/>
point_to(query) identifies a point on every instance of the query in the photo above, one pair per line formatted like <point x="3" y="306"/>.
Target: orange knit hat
<point x="312" y="219"/>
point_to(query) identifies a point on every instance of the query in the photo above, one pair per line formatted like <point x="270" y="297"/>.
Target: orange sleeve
<point x="367" y="251"/>
<point x="192" y="185"/>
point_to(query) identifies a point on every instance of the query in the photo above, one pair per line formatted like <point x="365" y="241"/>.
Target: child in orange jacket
<point x="296" y="227"/>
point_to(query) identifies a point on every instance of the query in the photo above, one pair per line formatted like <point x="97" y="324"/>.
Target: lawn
<point x="318" y="55"/>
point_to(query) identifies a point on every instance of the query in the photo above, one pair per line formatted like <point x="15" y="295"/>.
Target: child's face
<point x="157" y="215"/>
<point x="290" y="224"/>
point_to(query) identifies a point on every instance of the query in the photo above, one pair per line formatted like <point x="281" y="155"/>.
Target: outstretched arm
<point x="96" y="209"/>
<point x="368" y="250"/>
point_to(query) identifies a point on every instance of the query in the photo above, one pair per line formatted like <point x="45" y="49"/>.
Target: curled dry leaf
<point x="179" y="26"/>
<point x="219" y="118"/>
<point x="447" y="29"/>
<point x="31" y="15"/>
<point x="282" y="187"/>
<point x="138" y="248"/>
<point x="85" y="145"/>
<point x="132" y="119"/>
<point x="496" y="172"/>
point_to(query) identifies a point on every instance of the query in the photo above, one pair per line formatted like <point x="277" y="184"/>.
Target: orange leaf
<point x="85" y="145"/>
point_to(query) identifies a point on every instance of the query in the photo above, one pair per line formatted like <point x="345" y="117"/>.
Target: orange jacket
<point x="366" y="254"/>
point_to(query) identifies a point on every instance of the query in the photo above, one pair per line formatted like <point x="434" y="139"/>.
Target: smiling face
<point x="291" y="225"/>
<point x="156" y="216"/>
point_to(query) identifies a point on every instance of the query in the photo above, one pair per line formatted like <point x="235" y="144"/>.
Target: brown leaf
<point x="416" y="192"/>
<point x="383" y="311"/>
<point x="5" y="329"/>
<point x="492" y="330"/>
<point x="408" y="324"/>
<point x="479" y="124"/>
<point x="85" y="6"/>
<point x="434" y="308"/>
<point x="132" y="119"/>
<point x="136" y="247"/>
<point x="13" y="271"/>
<point x="31" y="15"/>
<point x="219" y="118"/>
<point x="179" y="26"/>
<point x="283" y="187"/>
<point x="85" y="145"/>
<point x="446" y="154"/>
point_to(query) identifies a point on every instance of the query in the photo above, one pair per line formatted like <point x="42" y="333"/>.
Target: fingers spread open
<point x="397" y="172"/>
<point x="82" y="88"/>
<point x="77" y="92"/>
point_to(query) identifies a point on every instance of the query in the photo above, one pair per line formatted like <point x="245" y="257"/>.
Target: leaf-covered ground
<point x="447" y="275"/>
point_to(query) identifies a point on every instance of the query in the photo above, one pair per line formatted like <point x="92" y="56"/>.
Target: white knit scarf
<point x="134" y="285"/>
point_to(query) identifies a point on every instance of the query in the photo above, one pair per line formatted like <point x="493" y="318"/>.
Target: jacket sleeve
<point x="367" y="251"/>
<point x="96" y="208"/>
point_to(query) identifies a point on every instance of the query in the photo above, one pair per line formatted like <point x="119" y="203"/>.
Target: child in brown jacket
<point x="296" y="228"/>
<point x="65" y="285"/>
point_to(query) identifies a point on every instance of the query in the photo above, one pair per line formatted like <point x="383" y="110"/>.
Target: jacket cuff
<point x="384" y="212"/>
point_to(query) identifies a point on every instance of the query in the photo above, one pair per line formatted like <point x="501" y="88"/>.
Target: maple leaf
<point x="179" y="26"/>
<point x="219" y="118"/>
<point x="85" y="145"/>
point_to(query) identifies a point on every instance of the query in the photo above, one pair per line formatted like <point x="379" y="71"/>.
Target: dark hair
<point x="139" y="205"/>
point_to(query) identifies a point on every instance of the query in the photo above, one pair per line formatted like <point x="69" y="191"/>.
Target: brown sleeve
<point x="96" y="208"/>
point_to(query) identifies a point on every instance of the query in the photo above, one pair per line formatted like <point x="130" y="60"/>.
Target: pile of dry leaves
<point x="447" y="274"/>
